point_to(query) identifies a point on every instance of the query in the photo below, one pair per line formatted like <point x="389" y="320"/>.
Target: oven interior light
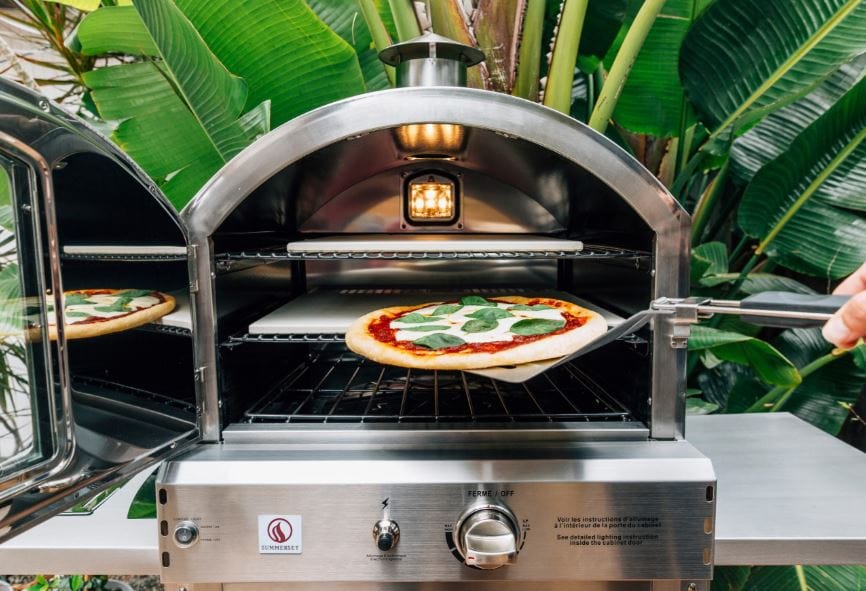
<point x="431" y="200"/>
<point x="431" y="140"/>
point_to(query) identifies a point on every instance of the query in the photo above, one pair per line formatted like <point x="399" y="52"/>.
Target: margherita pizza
<point x="94" y="312"/>
<point x="474" y="332"/>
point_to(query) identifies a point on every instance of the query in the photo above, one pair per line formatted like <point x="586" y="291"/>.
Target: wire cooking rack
<point x="336" y="386"/>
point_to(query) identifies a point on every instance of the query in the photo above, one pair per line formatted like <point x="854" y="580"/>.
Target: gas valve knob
<point x="185" y="534"/>
<point x="487" y="537"/>
<point x="386" y="534"/>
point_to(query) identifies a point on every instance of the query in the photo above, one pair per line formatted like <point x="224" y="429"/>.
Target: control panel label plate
<point x="280" y="534"/>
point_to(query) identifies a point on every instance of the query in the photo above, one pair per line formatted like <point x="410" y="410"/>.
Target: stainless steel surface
<point x="330" y="311"/>
<point x="431" y="60"/>
<point x="554" y="137"/>
<point x="487" y="536"/>
<point x="105" y="541"/>
<point x="594" y="511"/>
<point x="386" y="534"/>
<point x="707" y="307"/>
<point x="354" y="436"/>
<point x="787" y="491"/>
<point x="122" y="250"/>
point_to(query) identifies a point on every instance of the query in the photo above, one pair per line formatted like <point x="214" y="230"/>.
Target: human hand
<point x="848" y="325"/>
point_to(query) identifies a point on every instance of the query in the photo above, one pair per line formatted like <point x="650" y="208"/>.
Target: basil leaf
<point x="76" y="299"/>
<point x="117" y="306"/>
<point x="533" y="308"/>
<point x="427" y="327"/>
<point x="479" y="325"/>
<point x="475" y="301"/>
<point x="416" y="318"/>
<point x="137" y="293"/>
<point x="446" y="309"/>
<point x="439" y="340"/>
<point x="534" y="326"/>
<point x="76" y="314"/>
<point x="490" y="314"/>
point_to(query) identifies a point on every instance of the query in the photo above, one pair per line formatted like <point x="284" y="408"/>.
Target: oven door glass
<point x="36" y="439"/>
<point x="73" y="421"/>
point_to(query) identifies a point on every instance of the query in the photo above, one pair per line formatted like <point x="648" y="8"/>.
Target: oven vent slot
<point x="336" y="386"/>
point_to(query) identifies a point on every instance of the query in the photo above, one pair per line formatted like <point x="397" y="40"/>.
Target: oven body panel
<point x="597" y="511"/>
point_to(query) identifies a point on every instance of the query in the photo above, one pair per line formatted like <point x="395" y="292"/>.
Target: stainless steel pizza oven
<point x="316" y="465"/>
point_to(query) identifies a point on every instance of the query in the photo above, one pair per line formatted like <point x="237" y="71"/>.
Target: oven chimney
<point x="431" y="60"/>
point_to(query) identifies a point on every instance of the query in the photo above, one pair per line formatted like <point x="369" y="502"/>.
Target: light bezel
<point x="436" y="176"/>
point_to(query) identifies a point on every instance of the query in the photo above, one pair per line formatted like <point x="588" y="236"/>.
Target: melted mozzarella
<point x="500" y="334"/>
<point x="100" y="300"/>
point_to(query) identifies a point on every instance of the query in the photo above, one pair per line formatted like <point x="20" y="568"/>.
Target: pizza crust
<point x="110" y="325"/>
<point x="359" y="340"/>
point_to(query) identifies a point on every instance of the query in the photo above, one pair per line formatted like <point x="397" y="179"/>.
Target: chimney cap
<point x="431" y="45"/>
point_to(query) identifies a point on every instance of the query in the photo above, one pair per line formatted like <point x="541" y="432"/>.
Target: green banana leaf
<point x="772" y="136"/>
<point x="708" y="259"/>
<point x="604" y="20"/>
<point x="652" y="100"/>
<point x="801" y="578"/>
<point x="82" y="5"/>
<point x="757" y="282"/>
<point x="768" y="362"/>
<point x="808" y="206"/>
<point x="114" y="29"/>
<point x="282" y="49"/>
<point x="745" y="58"/>
<point x="180" y="115"/>
<point x="345" y="19"/>
<point x="730" y="578"/>
<point x="817" y="400"/>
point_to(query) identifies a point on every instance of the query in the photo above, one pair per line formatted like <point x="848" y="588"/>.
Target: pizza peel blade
<point x="518" y="374"/>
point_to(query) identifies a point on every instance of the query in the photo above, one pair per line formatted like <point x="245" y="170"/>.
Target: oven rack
<point x="333" y="385"/>
<point x="588" y="252"/>
<point x="100" y="384"/>
<point x="178" y="331"/>
<point x="123" y="253"/>
<point x="284" y="338"/>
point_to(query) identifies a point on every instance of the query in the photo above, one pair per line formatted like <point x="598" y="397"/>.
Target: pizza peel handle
<point x="517" y="374"/>
<point x="790" y="310"/>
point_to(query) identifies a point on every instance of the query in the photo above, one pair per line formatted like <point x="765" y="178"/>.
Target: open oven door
<point x="77" y="416"/>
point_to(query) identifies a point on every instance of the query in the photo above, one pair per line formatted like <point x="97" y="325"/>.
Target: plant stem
<point x="623" y="63"/>
<point x="707" y="202"/>
<point x="381" y="38"/>
<point x="778" y="396"/>
<point x="557" y="92"/>
<point x="405" y="19"/>
<point x="529" y="56"/>
<point x="738" y="249"/>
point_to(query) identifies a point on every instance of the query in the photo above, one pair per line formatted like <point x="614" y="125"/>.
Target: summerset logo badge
<point x="280" y="534"/>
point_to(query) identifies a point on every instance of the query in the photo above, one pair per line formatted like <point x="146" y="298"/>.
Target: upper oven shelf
<point x="435" y="247"/>
<point x="124" y="252"/>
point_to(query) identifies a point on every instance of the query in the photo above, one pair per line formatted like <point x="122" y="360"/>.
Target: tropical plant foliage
<point x="753" y="112"/>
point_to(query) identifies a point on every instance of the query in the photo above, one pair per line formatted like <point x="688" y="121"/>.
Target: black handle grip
<point x="790" y="302"/>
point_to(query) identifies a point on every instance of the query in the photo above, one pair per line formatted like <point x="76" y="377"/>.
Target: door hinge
<point x="192" y="264"/>
<point x="198" y="374"/>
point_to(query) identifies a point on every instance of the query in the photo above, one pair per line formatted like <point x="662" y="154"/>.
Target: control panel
<point x="271" y="528"/>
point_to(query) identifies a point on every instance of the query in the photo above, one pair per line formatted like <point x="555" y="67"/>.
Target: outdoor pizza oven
<point x="312" y="463"/>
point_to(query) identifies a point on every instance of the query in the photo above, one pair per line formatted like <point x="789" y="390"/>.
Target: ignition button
<point x="386" y="534"/>
<point x="185" y="534"/>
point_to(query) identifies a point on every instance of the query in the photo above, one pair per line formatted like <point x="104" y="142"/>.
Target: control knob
<point x="386" y="534"/>
<point x="185" y="534"/>
<point x="487" y="537"/>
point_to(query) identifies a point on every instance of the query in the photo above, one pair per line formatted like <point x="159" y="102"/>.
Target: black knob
<point x="385" y="541"/>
